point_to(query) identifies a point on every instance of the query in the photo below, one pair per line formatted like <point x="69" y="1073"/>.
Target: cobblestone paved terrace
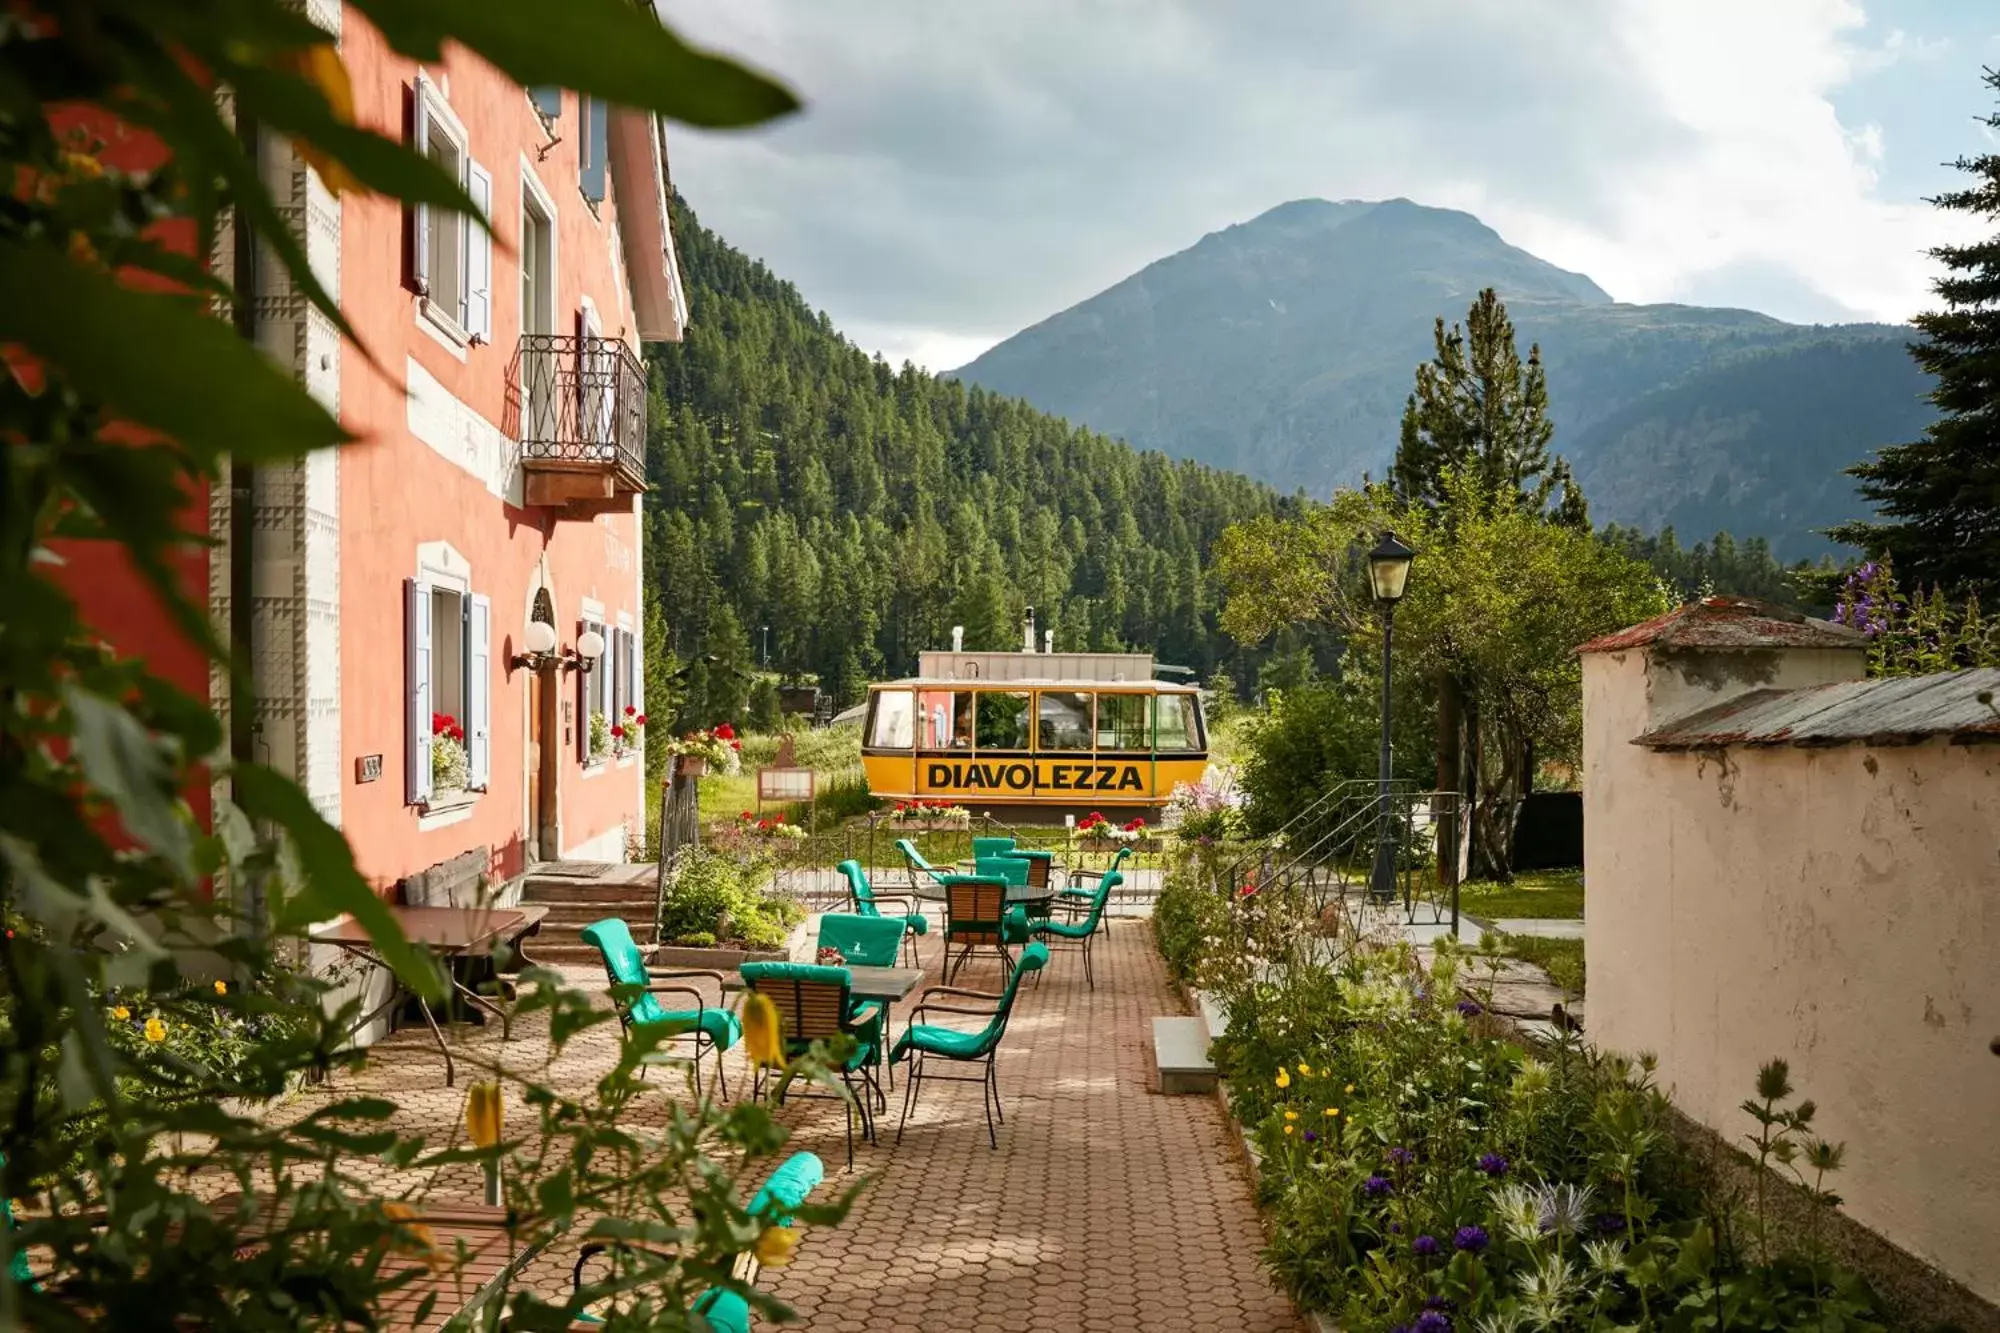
<point x="1107" y="1206"/>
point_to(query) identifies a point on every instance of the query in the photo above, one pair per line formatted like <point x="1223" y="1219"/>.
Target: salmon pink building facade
<point x="444" y="618"/>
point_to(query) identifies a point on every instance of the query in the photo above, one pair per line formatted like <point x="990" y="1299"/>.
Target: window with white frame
<point x="622" y="648"/>
<point x="448" y="659"/>
<point x="594" y="695"/>
<point x="451" y="255"/>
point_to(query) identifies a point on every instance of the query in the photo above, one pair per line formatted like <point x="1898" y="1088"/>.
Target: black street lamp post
<point x="1388" y="575"/>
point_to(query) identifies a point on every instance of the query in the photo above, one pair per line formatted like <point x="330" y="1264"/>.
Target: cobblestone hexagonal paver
<point x="1106" y="1206"/>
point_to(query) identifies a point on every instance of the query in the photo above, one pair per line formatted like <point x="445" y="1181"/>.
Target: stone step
<point x="564" y="953"/>
<point x="1180" y="1054"/>
<point x="576" y="915"/>
<point x="536" y="890"/>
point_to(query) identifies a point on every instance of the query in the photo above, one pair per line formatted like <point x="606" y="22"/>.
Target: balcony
<point x="582" y="424"/>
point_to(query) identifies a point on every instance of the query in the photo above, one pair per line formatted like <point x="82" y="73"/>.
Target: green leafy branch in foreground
<point x="124" y="397"/>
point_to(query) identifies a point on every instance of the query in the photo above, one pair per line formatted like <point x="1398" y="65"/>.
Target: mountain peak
<point x="1284" y="346"/>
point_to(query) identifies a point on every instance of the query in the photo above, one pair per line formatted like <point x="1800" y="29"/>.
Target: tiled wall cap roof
<point x="1729" y="624"/>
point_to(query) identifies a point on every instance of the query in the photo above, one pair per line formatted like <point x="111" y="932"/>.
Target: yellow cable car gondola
<point x="1047" y="732"/>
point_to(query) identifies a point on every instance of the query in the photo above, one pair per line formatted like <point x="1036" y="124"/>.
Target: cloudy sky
<point x="964" y="168"/>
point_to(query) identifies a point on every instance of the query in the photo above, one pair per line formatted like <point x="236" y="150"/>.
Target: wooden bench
<point x="1180" y="1053"/>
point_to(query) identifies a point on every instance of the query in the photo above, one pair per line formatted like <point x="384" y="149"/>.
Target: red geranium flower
<point x="629" y="710"/>
<point x="617" y="731"/>
<point x="641" y="719"/>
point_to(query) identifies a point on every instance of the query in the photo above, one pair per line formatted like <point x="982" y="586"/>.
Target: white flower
<point x="1546" y="1290"/>
<point x="1519" y="1212"/>
<point x="1563" y="1209"/>
<point x="1606" y="1257"/>
<point x="1509" y="1320"/>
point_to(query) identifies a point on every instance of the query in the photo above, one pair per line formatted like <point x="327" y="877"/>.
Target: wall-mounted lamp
<point x="539" y="644"/>
<point x="589" y="647"/>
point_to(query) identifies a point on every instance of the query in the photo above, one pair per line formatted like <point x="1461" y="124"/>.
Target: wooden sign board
<point x="784" y="785"/>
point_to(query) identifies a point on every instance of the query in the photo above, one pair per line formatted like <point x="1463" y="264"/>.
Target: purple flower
<point x="1395" y="1228"/>
<point x="1377" y="1187"/>
<point x="1312" y="1136"/>
<point x="1431" y="1321"/>
<point x="1610" y="1224"/>
<point x="1424" y="1246"/>
<point x="1469" y="1009"/>
<point x="1401" y="1156"/>
<point x="1493" y="1164"/>
<point x="1439" y="1303"/>
<point x="1470" y="1239"/>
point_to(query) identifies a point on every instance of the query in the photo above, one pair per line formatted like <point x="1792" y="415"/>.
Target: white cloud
<point x="965" y="169"/>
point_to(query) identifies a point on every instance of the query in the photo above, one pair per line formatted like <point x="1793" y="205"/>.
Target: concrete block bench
<point x="1180" y="1053"/>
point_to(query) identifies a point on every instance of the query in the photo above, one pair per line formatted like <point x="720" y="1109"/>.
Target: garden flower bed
<point x="1425" y="1167"/>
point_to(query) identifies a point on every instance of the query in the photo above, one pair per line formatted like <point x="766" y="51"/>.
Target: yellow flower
<point x="1331" y="1111"/>
<point x="1348" y="1089"/>
<point x="482" y="1114"/>
<point x="80" y="248"/>
<point x="1291" y="1115"/>
<point x="413" y="1237"/>
<point x="122" y="1014"/>
<point x="322" y="67"/>
<point x="1288" y="1129"/>
<point x="775" y="1246"/>
<point x="762" y="1040"/>
<point x="1305" y="1070"/>
<point x="1284" y="1078"/>
<point x="222" y="988"/>
<point x="156" y="1031"/>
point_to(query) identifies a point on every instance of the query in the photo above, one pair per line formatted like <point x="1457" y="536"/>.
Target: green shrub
<point x="1186" y="915"/>
<point x="1317" y="735"/>
<point x="722" y="897"/>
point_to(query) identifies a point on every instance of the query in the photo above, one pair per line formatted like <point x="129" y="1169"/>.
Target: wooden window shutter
<point x="479" y="691"/>
<point x="417" y="691"/>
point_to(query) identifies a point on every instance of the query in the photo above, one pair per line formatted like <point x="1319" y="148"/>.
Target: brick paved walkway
<point x="1107" y="1206"/>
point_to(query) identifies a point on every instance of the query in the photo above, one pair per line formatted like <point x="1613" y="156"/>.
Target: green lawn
<point x="1561" y="959"/>
<point x="1541" y="894"/>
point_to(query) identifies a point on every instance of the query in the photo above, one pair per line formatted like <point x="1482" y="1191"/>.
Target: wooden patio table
<point x="449" y="932"/>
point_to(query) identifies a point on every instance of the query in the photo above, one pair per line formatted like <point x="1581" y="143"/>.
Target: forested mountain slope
<point x="860" y="512"/>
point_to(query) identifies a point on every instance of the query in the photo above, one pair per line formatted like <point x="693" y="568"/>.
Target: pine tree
<point x="1939" y="497"/>
<point x="1476" y="405"/>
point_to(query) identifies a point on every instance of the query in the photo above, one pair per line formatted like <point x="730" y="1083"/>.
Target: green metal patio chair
<point x="712" y="1028"/>
<point x="773" y="1204"/>
<point x="922" y="1042"/>
<point x="861" y="941"/>
<point x="816" y="1003"/>
<point x="1074" y="900"/>
<point x="1080" y="934"/>
<point x="992" y="846"/>
<point x="976" y="916"/>
<point x="902" y="907"/>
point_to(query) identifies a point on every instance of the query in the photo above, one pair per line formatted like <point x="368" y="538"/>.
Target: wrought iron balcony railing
<point x="582" y="402"/>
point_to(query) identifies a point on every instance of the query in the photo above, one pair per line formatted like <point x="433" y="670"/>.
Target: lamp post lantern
<point x="767" y="646"/>
<point x="1388" y="575"/>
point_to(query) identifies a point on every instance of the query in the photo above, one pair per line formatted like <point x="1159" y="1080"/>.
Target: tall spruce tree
<point x="1480" y="415"/>
<point x="1939" y="497"/>
<point x="1478" y="406"/>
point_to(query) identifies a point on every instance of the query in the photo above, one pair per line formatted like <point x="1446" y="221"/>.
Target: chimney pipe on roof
<point x="958" y="638"/>
<point x="1028" y="630"/>
<point x="1048" y="640"/>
